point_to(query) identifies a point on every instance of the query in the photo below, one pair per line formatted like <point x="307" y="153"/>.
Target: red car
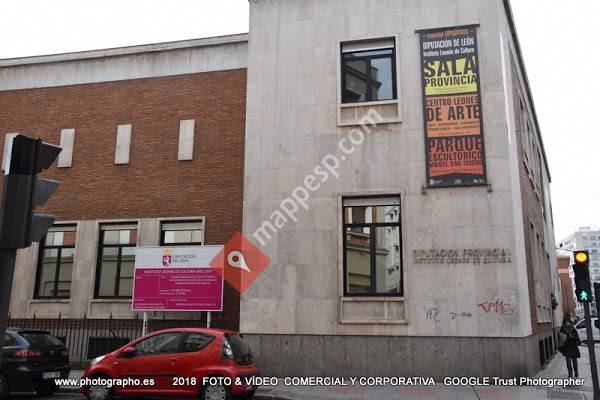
<point x="211" y="364"/>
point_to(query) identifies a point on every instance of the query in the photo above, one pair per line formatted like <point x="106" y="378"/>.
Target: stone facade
<point x="269" y="119"/>
<point x="295" y="120"/>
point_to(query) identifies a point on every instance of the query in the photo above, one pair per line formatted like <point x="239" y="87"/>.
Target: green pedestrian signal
<point x="583" y="296"/>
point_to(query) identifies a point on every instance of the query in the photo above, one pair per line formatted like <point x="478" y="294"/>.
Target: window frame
<point x="179" y="349"/>
<point x="393" y="59"/>
<point x="181" y="221"/>
<point x="183" y="348"/>
<point x="10" y="340"/>
<point x="120" y="247"/>
<point x="372" y="246"/>
<point x="40" y="261"/>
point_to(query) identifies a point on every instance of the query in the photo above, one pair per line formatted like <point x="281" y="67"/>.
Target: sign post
<point x="145" y="324"/>
<point x="177" y="279"/>
<point x="583" y="292"/>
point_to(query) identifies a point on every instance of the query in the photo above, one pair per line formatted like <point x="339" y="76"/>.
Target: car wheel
<point x="215" y="392"/>
<point x="99" y="392"/>
<point x="47" y="390"/>
<point x="3" y="387"/>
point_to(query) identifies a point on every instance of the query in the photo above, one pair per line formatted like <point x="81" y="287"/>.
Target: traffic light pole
<point x="590" y="344"/>
<point x="7" y="271"/>
<point x="22" y="192"/>
<point x="597" y="297"/>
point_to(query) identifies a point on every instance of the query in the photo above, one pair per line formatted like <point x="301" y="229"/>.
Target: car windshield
<point x="40" y="339"/>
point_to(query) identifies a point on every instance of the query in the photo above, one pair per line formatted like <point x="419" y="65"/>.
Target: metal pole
<point x="597" y="300"/>
<point x="7" y="271"/>
<point x="590" y="344"/>
<point x="145" y="324"/>
<point x="208" y="319"/>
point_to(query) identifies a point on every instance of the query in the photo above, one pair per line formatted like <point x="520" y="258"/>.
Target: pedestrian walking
<point x="568" y="345"/>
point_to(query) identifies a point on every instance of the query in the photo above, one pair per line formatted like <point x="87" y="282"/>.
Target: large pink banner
<point x="175" y="288"/>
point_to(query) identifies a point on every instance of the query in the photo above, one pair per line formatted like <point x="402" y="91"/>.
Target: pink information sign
<point x="177" y="279"/>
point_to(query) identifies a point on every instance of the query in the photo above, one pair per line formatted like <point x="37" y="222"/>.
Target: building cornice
<point x="125" y="51"/>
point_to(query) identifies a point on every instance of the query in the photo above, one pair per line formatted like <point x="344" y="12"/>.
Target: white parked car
<point x="580" y="326"/>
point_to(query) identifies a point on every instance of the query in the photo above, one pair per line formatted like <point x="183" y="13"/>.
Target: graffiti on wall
<point x="460" y="315"/>
<point x="432" y="313"/>
<point x="499" y="307"/>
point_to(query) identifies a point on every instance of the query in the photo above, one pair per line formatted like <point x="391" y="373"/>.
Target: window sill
<point x="372" y="310"/>
<point x="111" y="300"/>
<point x="373" y="298"/>
<point x="374" y="322"/>
<point x="37" y="301"/>
<point x="353" y="114"/>
<point x="369" y="103"/>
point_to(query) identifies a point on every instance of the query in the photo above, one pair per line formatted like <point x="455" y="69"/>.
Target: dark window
<point x="368" y="71"/>
<point x="9" y="340"/>
<point x="182" y="233"/>
<point x="372" y="247"/>
<point x="241" y="351"/>
<point x="98" y="346"/>
<point x="55" y="264"/>
<point x="116" y="262"/>
<point x="40" y="339"/>
<point x="165" y="343"/>
<point x="196" y="342"/>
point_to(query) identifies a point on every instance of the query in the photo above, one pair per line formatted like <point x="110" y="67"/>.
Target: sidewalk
<point x="556" y="369"/>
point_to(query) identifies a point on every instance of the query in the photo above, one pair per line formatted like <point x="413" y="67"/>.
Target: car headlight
<point x="97" y="360"/>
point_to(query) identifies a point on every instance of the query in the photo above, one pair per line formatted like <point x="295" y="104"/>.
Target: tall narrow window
<point x="55" y="263"/>
<point x="372" y="247"/>
<point x="182" y="233"/>
<point x="116" y="261"/>
<point x="368" y="71"/>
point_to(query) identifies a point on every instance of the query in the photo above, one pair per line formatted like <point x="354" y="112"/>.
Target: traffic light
<point x="583" y="286"/>
<point x="23" y="191"/>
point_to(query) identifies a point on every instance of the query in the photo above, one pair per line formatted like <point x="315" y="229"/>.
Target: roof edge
<point x="513" y="30"/>
<point x="125" y="50"/>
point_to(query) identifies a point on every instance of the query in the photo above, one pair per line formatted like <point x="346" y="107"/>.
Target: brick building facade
<point x="563" y="264"/>
<point x="213" y="136"/>
<point x="150" y="180"/>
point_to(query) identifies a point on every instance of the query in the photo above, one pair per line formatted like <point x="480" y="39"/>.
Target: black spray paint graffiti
<point x="463" y="315"/>
<point x="499" y="307"/>
<point x="431" y="313"/>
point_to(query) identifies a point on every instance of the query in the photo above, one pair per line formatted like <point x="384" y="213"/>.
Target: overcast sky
<point x="557" y="39"/>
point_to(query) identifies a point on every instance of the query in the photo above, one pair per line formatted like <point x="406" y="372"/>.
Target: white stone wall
<point x="292" y="123"/>
<point x="135" y="62"/>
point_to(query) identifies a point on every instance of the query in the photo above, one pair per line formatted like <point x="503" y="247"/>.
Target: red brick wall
<point x="532" y="210"/>
<point x="155" y="183"/>
<point x="568" y="302"/>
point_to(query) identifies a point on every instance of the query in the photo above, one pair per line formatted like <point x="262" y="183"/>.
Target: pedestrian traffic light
<point x="23" y="191"/>
<point x="583" y="286"/>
